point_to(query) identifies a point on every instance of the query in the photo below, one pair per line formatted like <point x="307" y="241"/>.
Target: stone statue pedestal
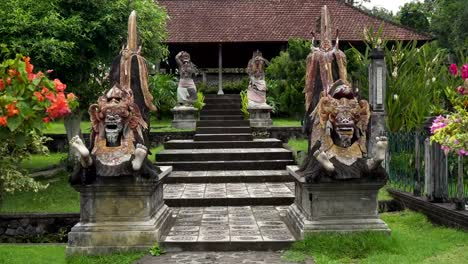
<point x="184" y="117"/>
<point x="260" y="115"/>
<point x="120" y="214"/>
<point x="347" y="206"/>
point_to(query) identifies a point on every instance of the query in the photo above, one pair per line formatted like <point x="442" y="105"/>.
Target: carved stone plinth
<point x="346" y="206"/>
<point x="184" y="117"/>
<point x="120" y="214"/>
<point x="260" y="116"/>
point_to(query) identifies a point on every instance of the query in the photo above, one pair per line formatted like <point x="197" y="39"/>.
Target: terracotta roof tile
<point x="268" y="21"/>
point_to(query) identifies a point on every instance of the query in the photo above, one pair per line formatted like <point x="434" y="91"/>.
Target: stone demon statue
<point x="186" y="90"/>
<point x="256" y="92"/>
<point x="117" y="141"/>
<point x="129" y="69"/>
<point x="336" y="121"/>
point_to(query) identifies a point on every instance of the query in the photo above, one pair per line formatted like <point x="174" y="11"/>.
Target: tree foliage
<point x="286" y="74"/>
<point x="78" y="38"/>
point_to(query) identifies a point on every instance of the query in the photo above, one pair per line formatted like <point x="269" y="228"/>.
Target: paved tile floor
<point x="229" y="223"/>
<point x="228" y="190"/>
<point x="243" y="257"/>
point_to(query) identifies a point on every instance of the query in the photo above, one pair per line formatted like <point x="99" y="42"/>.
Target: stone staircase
<point x="227" y="190"/>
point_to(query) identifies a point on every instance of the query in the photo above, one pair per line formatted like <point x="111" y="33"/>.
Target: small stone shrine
<point x="121" y="191"/>
<point x="256" y="93"/>
<point x="336" y="188"/>
<point x="184" y="112"/>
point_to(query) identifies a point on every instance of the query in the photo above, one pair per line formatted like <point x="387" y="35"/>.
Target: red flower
<point x="31" y="76"/>
<point x="49" y="71"/>
<point x="39" y="96"/>
<point x="46" y="119"/>
<point x="8" y="80"/>
<point x="3" y="121"/>
<point x="59" y="86"/>
<point x="453" y="69"/>
<point x="50" y="96"/>
<point x="13" y="73"/>
<point x="59" y="107"/>
<point x="464" y="72"/>
<point x="29" y="66"/>
<point x="12" y="110"/>
<point x="44" y="90"/>
<point x="2" y="85"/>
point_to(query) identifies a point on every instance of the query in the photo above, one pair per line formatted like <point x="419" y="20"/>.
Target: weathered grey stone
<point x="24" y="222"/>
<point x="10" y="232"/>
<point x="260" y="116"/>
<point x="184" y="117"/>
<point x="2" y="230"/>
<point x="119" y="216"/>
<point x="345" y="206"/>
<point x="14" y="224"/>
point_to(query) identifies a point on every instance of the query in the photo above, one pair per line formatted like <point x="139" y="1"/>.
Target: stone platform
<point x="120" y="214"/>
<point x="228" y="228"/>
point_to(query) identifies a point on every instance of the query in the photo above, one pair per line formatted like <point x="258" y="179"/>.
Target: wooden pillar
<point x="220" y="69"/>
<point x="436" y="172"/>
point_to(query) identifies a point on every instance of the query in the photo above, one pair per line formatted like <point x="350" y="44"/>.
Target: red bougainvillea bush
<point x="28" y="101"/>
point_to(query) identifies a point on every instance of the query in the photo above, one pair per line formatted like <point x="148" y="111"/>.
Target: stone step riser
<point x="221" y="117"/>
<point x="222" y="107"/>
<point x="226" y="246"/>
<point x="196" y="202"/>
<point x="223" y="130"/>
<point x="228" y="165"/>
<point x="223" y="137"/>
<point x="224" y="156"/>
<point x="229" y="179"/>
<point x="220" y="112"/>
<point x="222" y="101"/>
<point x="222" y="96"/>
<point x="221" y="144"/>
<point x="223" y="123"/>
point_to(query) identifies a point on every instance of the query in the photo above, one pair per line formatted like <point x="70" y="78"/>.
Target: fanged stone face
<point x="113" y="127"/>
<point x="344" y="128"/>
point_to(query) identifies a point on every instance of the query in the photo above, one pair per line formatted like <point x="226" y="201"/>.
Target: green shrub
<point x="163" y="87"/>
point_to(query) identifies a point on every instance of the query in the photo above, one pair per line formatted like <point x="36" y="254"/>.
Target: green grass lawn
<point x="413" y="240"/>
<point x="38" y="162"/>
<point x="44" y="254"/>
<point x="298" y="144"/>
<point x="286" y="122"/>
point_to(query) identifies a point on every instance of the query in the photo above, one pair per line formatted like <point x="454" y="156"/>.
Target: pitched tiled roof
<point x="268" y="21"/>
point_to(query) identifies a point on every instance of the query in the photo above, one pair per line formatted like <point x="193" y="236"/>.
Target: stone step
<point x="227" y="165"/>
<point x="228" y="194"/>
<point x="222" y="96"/>
<point x="223" y="130"/>
<point x="217" y="101"/>
<point x="223" y="123"/>
<point x="224" y="154"/>
<point x="191" y="144"/>
<point x="222" y="176"/>
<point x="222" y="107"/>
<point x="220" y="112"/>
<point x="228" y="228"/>
<point x="222" y="117"/>
<point x="223" y="137"/>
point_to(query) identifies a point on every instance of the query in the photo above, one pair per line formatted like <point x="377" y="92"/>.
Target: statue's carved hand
<point x="83" y="153"/>
<point x="323" y="159"/>
<point x="140" y="154"/>
<point x="381" y="148"/>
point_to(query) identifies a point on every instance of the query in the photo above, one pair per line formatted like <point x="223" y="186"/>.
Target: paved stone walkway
<point x="224" y="224"/>
<point x="210" y="257"/>
<point x="228" y="190"/>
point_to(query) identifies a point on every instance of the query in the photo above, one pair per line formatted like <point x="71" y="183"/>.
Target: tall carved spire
<point x="325" y="29"/>
<point x="132" y="39"/>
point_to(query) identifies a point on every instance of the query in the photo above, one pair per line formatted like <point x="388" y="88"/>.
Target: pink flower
<point x="461" y="90"/>
<point x="446" y="149"/>
<point x="463" y="152"/>
<point x="453" y="69"/>
<point x="464" y="71"/>
<point x="438" y="123"/>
